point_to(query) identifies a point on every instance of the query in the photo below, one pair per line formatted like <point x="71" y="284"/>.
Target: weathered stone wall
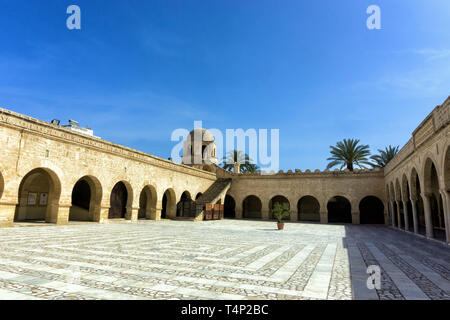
<point x="67" y="156"/>
<point x="63" y="157"/>
<point x="321" y="185"/>
<point x="429" y="146"/>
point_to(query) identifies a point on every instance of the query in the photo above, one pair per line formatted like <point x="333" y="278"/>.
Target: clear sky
<point x="137" y="70"/>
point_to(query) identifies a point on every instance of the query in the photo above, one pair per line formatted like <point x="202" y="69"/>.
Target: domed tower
<point x="199" y="149"/>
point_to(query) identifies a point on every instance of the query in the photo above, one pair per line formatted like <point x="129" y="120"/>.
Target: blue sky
<point x="137" y="70"/>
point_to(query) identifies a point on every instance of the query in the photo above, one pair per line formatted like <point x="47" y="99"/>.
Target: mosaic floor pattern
<point x="230" y="259"/>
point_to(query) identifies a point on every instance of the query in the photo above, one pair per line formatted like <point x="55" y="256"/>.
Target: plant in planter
<point x="281" y="211"/>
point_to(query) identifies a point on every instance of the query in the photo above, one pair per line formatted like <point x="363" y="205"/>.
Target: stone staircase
<point x="213" y="194"/>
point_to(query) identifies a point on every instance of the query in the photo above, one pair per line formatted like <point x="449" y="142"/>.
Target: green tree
<point x="384" y="156"/>
<point x="281" y="211"/>
<point x="349" y="153"/>
<point x="250" y="167"/>
<point x="240" y="157"/>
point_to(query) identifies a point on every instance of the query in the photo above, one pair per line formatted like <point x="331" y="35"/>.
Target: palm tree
<point x="233" y="157"/>
<point x="240" y="157"/>
<point x="250" y="167"/>
<point x="349" y="153"/>
<point x="384" y="156"/>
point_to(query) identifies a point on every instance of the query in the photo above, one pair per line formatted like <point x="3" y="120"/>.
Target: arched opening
<point x="277" y="199"/>
<point x="416" y="194"/>
<point x="395" y="213"/>
<point x="339" y="210"/>
<point x="398" y="198"/>
<point x="408" y="210"/>
<point x="402" y="214"/>
<point x="169" y="206"/>
<point x="308" y="209"/>
<point x="252" y="208"/>
<point x="198" y="195"/>
<point x="86" y="197"/>
<point x="39" y="193"/>
<point x="147" y="203"/>
<point x="186" y="206"/>
<point x="433" y="194"/>
<point x="371" y="210"/>
<point x="229" y="207"/>
<point x="118" y="201"/>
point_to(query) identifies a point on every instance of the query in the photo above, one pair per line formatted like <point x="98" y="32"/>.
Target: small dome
<point x="205" y="134"/>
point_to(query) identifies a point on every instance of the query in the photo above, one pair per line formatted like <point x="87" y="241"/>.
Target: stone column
<point x="428" y="221"/>
<point x="102" y="217"/>
<point x="265" y="214"/>
<point x="399" y="217"/>
<point x="405" y="214"/>
<point x="294" y="216"/>
<point x="62" y="217"/>
<point x="324" y="217"/>
<point x="133" y="214"/>
<point x="446" y="207"/>
<point x="238" y="210"/>
<point x="355" y="218"/>
<point x="391" y="204"/>
<point x="414" y="213"/>
<point x="7" y="211"/>
<point x="158" y="209"/>
<point x="386" y="216"/>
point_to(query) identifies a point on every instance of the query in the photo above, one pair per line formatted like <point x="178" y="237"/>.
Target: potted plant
<point x="281" y="211"/>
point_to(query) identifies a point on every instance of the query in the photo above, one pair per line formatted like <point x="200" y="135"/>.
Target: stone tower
<point x="199" y="150"/>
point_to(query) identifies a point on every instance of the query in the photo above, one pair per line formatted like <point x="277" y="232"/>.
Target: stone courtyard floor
<point x="230" y="259"/>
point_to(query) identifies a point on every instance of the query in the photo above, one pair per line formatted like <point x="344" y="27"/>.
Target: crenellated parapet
<point x="308" y="173"/>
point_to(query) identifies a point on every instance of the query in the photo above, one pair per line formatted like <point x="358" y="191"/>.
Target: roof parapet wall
<point x="20" y="121"/>
<point x="434" y="122"/>
<point x="309" y="173"/>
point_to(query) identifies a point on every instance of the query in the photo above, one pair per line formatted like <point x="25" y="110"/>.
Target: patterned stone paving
<point x="230" y="259"/>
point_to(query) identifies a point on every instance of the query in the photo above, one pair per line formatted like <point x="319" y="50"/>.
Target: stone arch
<point x="229" y="207"/>
<point x="39" y="193"/>
<point x="121" y="200"/>
<point x="407" y="204"/>
<point x="446" y="169"/>
<point x="398" y="200"/>
<point x="339" y="210"/>
<point x="388" y="201"/>
<point x="416" y="195"/>
<point x="169" y="204"/>
<point x="198" y="195"/>
<point x="430" y="176"/>
<point x="308" y="209"/>
<point x="186" y="206"/>
<point x="147" y="203"/>
<point x="432" y="193"/>
<point x="252" y="207"/>
<point x="86" y="199"/>
<point x="280" y="199"/>
<point x="371" y="210"/>
<point x="393" y="204"/>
